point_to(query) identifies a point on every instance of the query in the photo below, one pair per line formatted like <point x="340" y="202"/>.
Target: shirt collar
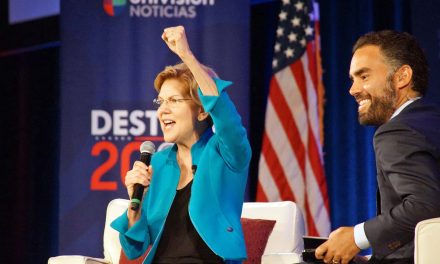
<point x="398" y="110"/>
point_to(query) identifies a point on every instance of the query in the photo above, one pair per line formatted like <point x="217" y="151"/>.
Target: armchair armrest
<point x="77" y="260"/>
<point x="281" y="258"/>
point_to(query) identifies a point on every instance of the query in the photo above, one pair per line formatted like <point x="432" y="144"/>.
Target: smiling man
<point x="389" y="72"/>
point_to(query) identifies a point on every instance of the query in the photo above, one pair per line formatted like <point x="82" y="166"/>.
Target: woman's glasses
<point x="171" y="101"/>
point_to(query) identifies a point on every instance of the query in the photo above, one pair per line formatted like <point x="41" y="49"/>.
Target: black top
<point x="180" y="242"/>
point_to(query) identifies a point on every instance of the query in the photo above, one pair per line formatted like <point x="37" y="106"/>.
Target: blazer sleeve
<point x="233" y="142"/>
<point x="134" y="240"/>
<point x="409" y="164"/>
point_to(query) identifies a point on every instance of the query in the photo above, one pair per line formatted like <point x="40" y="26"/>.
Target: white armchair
<point x="427" y="241"/>
<point x="112" y="247"/>
<point x="284" y="244"/>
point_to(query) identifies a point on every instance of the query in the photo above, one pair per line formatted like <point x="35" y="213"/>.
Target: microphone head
<point x="148" y="147"/>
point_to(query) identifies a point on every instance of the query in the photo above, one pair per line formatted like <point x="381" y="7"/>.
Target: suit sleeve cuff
<point x="360" y="238"/>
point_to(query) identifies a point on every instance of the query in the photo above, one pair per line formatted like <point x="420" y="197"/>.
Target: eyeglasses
<point x="172" y="102"/>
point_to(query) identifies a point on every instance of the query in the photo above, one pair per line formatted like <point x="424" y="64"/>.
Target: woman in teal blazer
<point x="187" y="215"/>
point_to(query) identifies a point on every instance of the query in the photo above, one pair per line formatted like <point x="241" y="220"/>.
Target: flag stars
<point x="280" y="31"/>
<point x="292" y="32"/>
<point x="295" y="21"/>
<point x="309" y="30"/>
<point x="277" y="47"/>
<point x="299" y="6"/>
<point x="289" y="53"/>
<point x="292" y="37"/>
<point x="282" y="16"/>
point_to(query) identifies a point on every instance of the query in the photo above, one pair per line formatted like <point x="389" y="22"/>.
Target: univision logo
<point x="114" y="7"/>
<point x="156" y="8"/>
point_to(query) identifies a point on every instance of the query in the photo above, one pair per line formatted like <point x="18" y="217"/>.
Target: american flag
<point x="291" y="160"/>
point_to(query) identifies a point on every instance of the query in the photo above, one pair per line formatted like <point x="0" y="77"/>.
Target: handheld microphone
<point x="147" y="150"/>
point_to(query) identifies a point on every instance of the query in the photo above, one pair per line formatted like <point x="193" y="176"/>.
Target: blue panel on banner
<point x="111" y="52"/>
<point x="426" y="28"/>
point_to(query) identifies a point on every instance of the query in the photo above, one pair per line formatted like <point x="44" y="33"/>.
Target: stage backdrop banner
<point x="111" y="52"/>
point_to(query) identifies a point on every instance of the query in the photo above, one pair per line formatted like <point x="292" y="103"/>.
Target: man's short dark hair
<point x="400" y="48"/>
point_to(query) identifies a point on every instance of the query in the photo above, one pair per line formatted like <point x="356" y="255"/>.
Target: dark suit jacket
<point x="407" y="150"/>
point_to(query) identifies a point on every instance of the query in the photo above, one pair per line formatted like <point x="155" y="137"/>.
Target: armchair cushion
<point x="75" y="259"/>
<point x="289" y="228"/>
<point x="256" y="233"/>
<point x="124" y="260"/>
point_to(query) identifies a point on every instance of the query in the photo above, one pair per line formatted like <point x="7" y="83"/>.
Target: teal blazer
<point x="217" y="194"/>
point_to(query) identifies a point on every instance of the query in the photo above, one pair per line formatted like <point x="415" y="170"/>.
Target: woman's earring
<point x="201" y="116"/>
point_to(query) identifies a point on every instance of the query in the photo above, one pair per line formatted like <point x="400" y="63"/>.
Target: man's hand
<point x="340" y="247"/>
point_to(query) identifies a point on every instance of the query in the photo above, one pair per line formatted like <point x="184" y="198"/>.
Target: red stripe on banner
<point x="311" y="226"/>
<point x="311" y="57"/>
<point x="318" y="170"/>
<point x="300" y="78"/>
<point x="261" y="195"/>
<point x="151" y="138"/>
<point x="276" y="170"/>
<point x="288" y="122"/>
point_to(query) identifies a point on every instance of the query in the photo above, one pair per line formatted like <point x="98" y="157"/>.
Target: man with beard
<point x="389" y="72"/>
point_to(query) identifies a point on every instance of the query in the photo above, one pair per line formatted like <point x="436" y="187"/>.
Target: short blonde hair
<point x="182" y="73"/>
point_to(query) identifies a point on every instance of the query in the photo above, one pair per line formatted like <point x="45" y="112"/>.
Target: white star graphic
<point x="292" y="37"/>
<point x="277" y="47"/>
<point x="303" y="42"/>
<point x="309" y="30"/>
<point x="289" y="52"/>
<point x="299" y="6"/>
<point x="274" y="63"/>
<point x="286" y="2"/>
<point x="280" y="31"/>
<point x="282" y="15"/>
<point x="295" y="21"/>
